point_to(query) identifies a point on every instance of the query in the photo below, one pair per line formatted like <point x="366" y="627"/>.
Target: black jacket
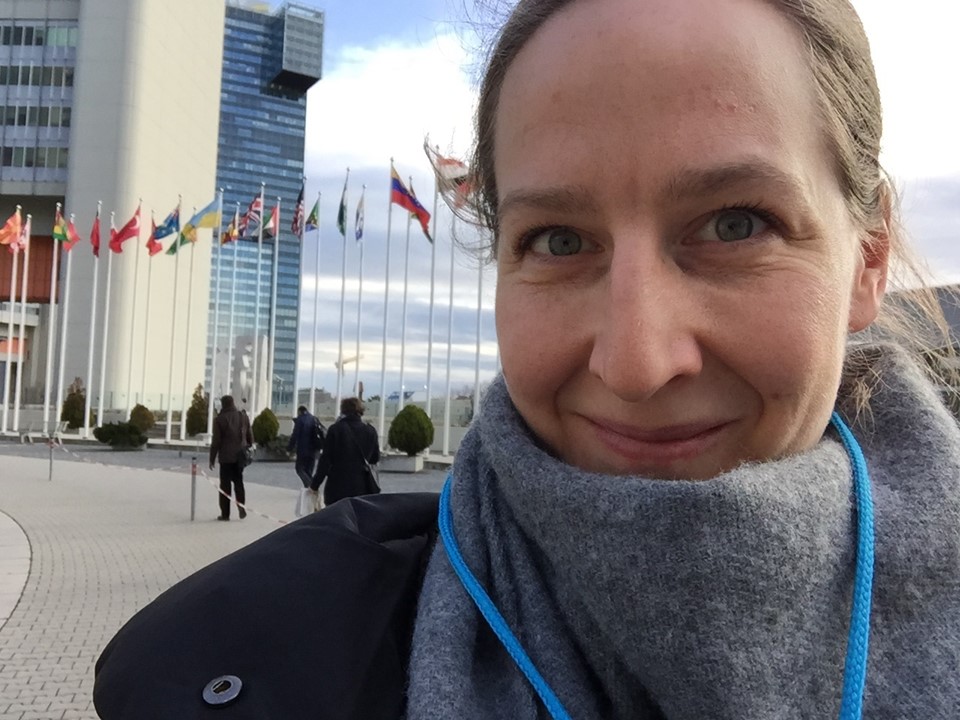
<point x="349" y="440"/>
<point x="316" y="620"/>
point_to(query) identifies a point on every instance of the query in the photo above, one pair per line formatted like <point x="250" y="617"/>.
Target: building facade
<point x="116" y="103"/>
<point x="270" y="60"/>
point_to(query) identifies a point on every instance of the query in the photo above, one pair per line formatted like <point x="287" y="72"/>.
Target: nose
<point x="646" y="334"/>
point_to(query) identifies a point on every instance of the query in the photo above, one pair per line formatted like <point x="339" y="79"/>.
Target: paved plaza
<point x="81" y="553"/>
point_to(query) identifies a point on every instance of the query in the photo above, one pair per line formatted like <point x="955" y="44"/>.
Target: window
<point x="28" y="36"/>
<point x="36" y="75"/>
<point x="18" y="156"/>
<point x="17" y="36"/>
<point x="10" y="115"/>
<point x="32" y="116"/>
<point x="29" y="157"/>
<point x="56" y="79"/>
<point x="21" y="117"/>
<point x="65" y="117"/>
<point x="6" y="35"/>
<point x="38" y="36"/>
<point x="40" y="156"/>
<point x="46" y="76"/>
<point x="68" y="77"/>
<point x="62" y="157"/>
<point x="7" y="157"/>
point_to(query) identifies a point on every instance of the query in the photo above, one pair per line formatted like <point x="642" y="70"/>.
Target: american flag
<point x="296" y="226"/>
<point x="252" y="217"/>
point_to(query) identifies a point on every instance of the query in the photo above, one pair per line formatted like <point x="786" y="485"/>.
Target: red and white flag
<point x="128" y="232"/>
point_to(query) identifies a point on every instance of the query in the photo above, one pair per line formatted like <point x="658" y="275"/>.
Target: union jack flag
<point x="252" y="217"/>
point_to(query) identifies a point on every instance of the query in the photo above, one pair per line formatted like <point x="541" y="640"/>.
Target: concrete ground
<point x="81" y="553"/>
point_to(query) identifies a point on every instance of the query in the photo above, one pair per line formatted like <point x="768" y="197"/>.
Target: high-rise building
<point x="115" y="102"/>
<point x="270" y="60"/>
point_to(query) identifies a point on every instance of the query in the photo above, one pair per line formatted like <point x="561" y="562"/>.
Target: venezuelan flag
<point x="400" y="195"/>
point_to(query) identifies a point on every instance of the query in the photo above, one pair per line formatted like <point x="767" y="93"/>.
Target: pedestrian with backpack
<point x="307" y="439"/>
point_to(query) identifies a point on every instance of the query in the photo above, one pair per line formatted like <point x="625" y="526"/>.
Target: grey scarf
<point x="728" y="598"/>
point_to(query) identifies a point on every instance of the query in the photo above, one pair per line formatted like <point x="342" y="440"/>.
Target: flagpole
<point x="343" y="292"/>
<point x="433" y="284"/>
<point x="10" y="313"/>
<point x="146" y="321"/>
<point x="64" y="324"/>
<point x="51" y="332"/>
<point x="386" y="301"/>
<point x="173" y="337"/>
<point x="133" y="324"/>
<point x="316" y="315"/>
<point x="106" y="329"/>
<point x="88" y="400"/>
<point x="446" y="401"/>
<point x="356" y="375"/>
<point x="186" y="345"/>
<point x="301" y="210"/>
<point x="233" y="299"/>
<point x="23" y="327"/>
<point x="216" y="321"/>
<point x="476" y="372"/>
<point x="403" y="320"/>
<point x="255" y="400"/>
<point x="273" y="309"/>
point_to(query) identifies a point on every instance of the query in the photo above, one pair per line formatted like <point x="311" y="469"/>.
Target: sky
<point x="396" y="73"/>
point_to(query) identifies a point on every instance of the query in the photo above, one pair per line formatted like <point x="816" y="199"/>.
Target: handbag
<point x="244" y="457"/>
<point x="371" y="474"/>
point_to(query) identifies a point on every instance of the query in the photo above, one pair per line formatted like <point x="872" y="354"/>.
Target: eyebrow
<point x="710" y="181"/>
<point x="686" y="183"/>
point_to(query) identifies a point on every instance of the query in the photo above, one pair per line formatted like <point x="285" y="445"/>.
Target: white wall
<point x="145" y="123"/>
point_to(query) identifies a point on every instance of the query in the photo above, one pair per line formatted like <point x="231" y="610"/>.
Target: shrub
<point x="72" y="410"/>
<point x="142" y="417"/>
<point x="120" y="436"/>
<point x="265" y="427"/>
<point x="197" y="413"/>
<point x="411" y="430"/>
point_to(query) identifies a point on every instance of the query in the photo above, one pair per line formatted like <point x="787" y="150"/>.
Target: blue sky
<point x="397" y="72"/>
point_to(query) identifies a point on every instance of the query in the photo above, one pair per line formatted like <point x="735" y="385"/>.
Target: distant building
<point x="270" y="60"/>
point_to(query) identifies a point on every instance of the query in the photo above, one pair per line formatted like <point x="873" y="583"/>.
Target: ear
<point x="870" y="281"/>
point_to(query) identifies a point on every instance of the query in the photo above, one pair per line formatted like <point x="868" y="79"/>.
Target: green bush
<point x="411" y="430"/>
<point x="72" y="410"/>
<point x="197" y="413"/>
<point x="265" y="427"/>
<point x="120" y="436"/>
<point x="142" y="417"/>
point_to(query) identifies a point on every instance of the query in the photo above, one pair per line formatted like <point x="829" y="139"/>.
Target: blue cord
<point x="491" y="613"/>
<point x="858" y="644"/>
<point x="855" y="667"/>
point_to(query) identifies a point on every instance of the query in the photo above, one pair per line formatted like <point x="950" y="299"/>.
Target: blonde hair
<point x="850" y="111"/>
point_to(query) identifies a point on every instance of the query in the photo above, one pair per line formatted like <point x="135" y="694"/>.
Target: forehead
<point x="635" y="85"/>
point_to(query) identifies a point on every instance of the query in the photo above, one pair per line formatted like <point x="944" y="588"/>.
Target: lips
<point x="660" y="445"/>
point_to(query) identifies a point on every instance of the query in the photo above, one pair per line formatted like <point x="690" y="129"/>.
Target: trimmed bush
<point x="142" y="417"/>
<point x="265" y="427"/>
<point x="120" y="436"/>
<point x="197" y="413"/>
<point x="411" y="431"/>
<point x="72" y="410"/>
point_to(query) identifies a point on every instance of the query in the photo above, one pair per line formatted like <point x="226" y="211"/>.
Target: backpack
<point x="317" y="435"/>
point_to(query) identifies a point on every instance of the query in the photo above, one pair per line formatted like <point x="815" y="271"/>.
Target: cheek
<point x="539" y="345"/>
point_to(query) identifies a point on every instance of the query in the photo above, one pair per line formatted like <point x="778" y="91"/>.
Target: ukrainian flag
<point x="208" y="217"/>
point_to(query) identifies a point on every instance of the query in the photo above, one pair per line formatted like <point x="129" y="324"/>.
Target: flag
<point x="452" y="176"/>
<point x="21" y="242"/>
<point x="10" y="232"/>
<point x="127" y="232"/>
<point x="273" y="224"/>
<point x="313" y="219"/>
<point x="208" y="217"/>
<point x="59" y="227"/>
<point x="169" y="226"/>
<point x="251" y="217"/>
<point x="358" y="221"/>
<point x="186" y="236"/>
<point x="233" y="229"/>
<point x="342" y="212"/>
<point x="400" y="195"/>
<point x="95" y="235"/>
<point x="296" y="225"/>
<point x="154" y="245"/>
<point x="73" y="237"/>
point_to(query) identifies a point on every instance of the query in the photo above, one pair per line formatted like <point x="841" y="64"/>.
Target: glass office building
<point x="270" y="60"/>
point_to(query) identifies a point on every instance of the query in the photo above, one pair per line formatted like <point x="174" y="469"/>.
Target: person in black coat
<point x="349" y="443"/>
<point x="306" y="431"/>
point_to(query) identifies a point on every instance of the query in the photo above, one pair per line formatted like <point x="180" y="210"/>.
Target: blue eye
<point x="559" y="241"/>
<point x="733" y="225"/>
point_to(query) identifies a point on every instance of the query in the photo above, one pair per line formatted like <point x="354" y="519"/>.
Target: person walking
<point x="350" y="445"/>
<point x="307" y="439"/>
<point x="231" y="438"/>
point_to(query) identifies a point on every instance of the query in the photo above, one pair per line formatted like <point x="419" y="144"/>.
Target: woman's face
<point x="677" y="268"/>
